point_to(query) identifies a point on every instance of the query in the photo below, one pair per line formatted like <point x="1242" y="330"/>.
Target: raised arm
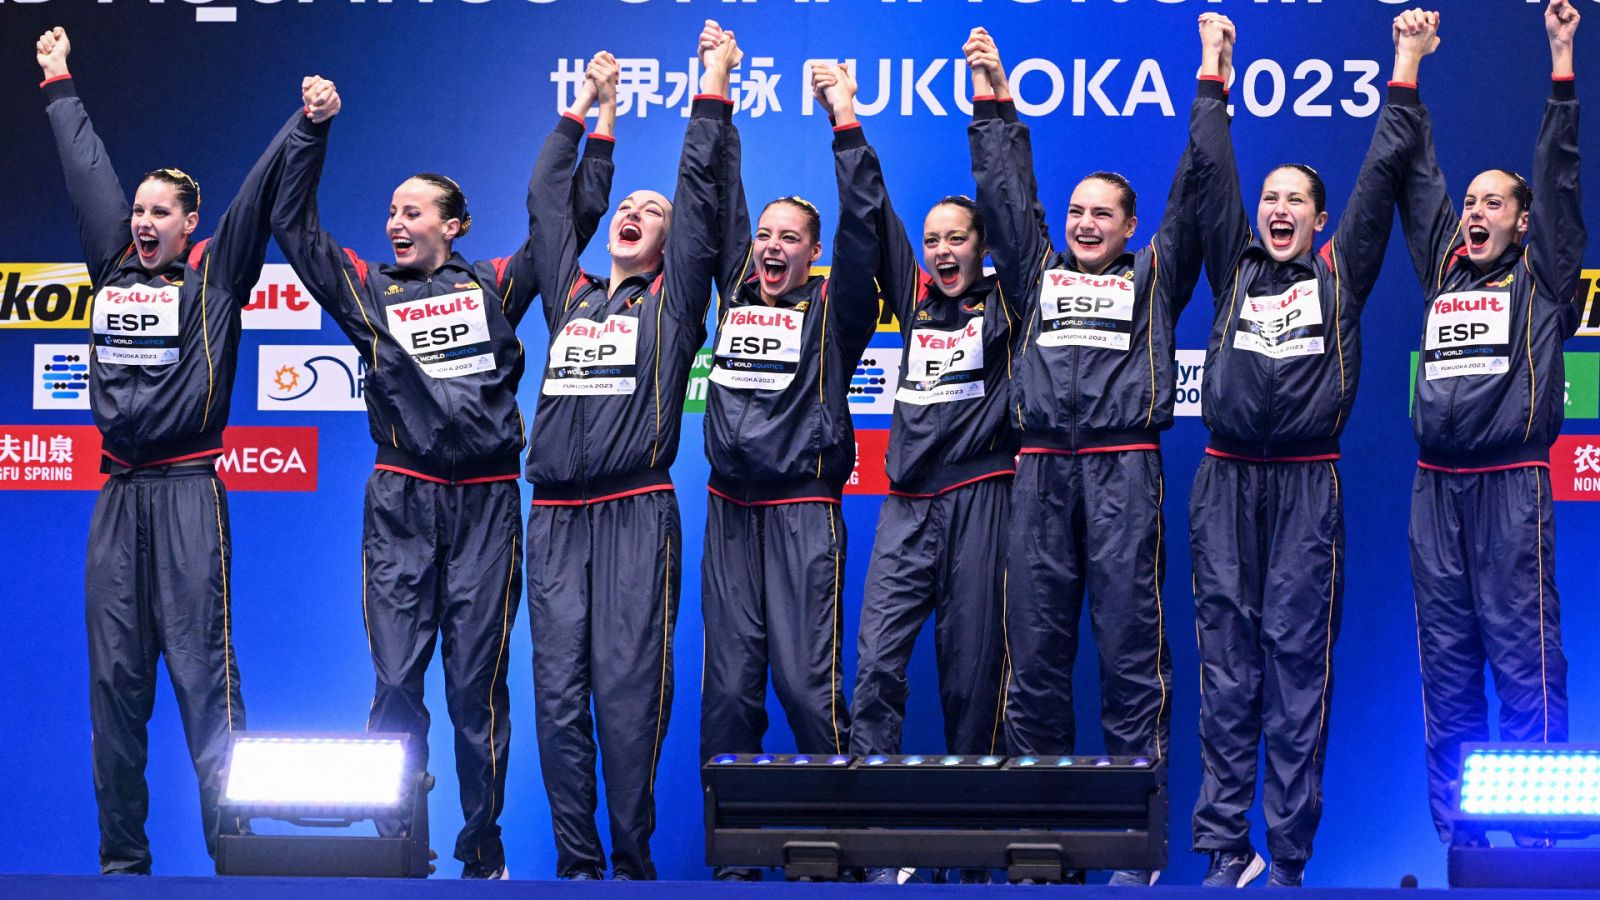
<point x="1362" y="236"/>
<point x="564" y="205"/>
<point x="875" y="228"/>
<point x="695" y="240"/>
<point x="335" y="277"/>
<point x="238" y="247"/>
<point x="862" y="239"/>
<point x="1428" y="218"/>
<point x="1223" y="221"/>
<point x="1557" y="237"/>
<point x="733" y="212"/>
<point x="1002" y="166"/>
<point x="97" y="197"/>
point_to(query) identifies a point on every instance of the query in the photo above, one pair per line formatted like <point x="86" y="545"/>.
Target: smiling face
<point x="159" y="225"/>
<point x="638" y="234"/>
<point x="784" y="249"/>
<point x="951" y="249"/>
<point x="1287" y="217"/>
<point x="418" y="231"/>
<point x="1492" y="219"/>
<point x="1098" y="226"/>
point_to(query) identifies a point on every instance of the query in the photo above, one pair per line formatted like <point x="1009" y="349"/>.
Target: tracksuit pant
<point x="157" y="586"/>
<point x="1087" y="521"/>
<point x="1483" y="567"/>
<point x="445" y="558"/>
<point x="771" y="586"/>
<point x="603" y="582"/>
<point x="942" y="555"/>
<point x="1268" y="546"/>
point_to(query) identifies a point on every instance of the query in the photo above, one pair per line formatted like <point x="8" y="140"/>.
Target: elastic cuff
<point x="597" y="136"/>
<point x="1403" y="94"/>
<point x="1008" y="110"/>
<point x="570" y="127"/>
<point x="1563" y="88"/>
<point x="711" y="106"/>
<point x="599" y="146"/>
<point x="848" y="136"/>
<point x="985" y="108"/>
<point x="58" y="88"/>
<point x="304" y="124"/>
<point x="977" y="97"/>
<point x="1210" y="88"/>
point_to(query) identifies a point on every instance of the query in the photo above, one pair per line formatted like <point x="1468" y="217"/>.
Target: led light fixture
<point x="1539" y="793"/>
<point x="1036" y="817"/>
<point x="325" y="781"/>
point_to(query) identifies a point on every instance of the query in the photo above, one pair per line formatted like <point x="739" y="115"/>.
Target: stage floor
<point x="86" y="887"/>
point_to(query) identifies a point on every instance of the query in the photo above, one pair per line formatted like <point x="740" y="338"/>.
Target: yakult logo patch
<point x="1468" y="333"/>
<point x="448" y="336"/>
<point x="137" y="326"/>
<point x="1283" y="325"/>
<point x="759" y="348"/>
<point x="592" y="358"/>
<point x="942" y="366"/>
<point x="1085" y="310"/>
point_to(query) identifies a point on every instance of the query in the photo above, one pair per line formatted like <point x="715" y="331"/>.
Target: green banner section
<point x="1582" y="388"/>
<point x="694" y="399"/>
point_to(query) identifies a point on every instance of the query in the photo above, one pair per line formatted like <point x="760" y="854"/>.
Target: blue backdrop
<point x="469" y="87"/>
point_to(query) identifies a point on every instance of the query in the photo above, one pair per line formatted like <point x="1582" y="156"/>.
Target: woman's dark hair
<point x="1130" y="200"/>
<point x="451" y="202"/>
<point x="182" y="182"/>
<point x="813" y="218"/>
<point x="971" y="206"/>
<point x="1319" y="192"/>
<point x="1520" y="190"/>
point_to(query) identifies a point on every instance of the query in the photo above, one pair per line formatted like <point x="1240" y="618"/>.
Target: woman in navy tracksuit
<point x="165" y="341"/>
<point x="781" y="445"/>
<point x="1266" y="516"/>
<point x="441" y="535"/>
<point x="940" y="533"/>
<point x="604" y="565"/>
<point x="1489" y="398"/>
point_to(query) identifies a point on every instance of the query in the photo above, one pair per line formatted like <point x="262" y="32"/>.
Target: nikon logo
<point x="44" y="295"/>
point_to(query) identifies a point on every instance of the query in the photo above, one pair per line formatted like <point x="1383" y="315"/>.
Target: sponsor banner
<point x="60" y="376"/>
<point x="310" y="377"/>
<point x="1575" y="467"/>
<point x="269" y="458"/>
<point x="1588" y="302"/>
<point x="280" y="301"/>
<point x="44" y="295"/>
<point x="694" y="399"/>
<point x="50" y="457"/>
<point x="1191" y="372"/>
<point x="1582" y="387"/>
<point x="58" y="295"/>
<point x="67" y="458"/>
<point x="870" y="475"/>
<point x="873" y="386"/>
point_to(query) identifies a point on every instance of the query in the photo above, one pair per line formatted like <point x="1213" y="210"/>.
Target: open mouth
<point x="1477" y="237"/>
<point x="774" y="271"/>
<point x="147" y="246"/>
<point x="402" y="246"/>
<point x="1089" y="241"/>
<point x="1280" y="234"/>
<point x="629" y="233"/>
<point x="949" y="273"/>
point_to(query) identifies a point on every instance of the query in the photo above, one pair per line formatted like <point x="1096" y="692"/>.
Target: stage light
<point x="724" y="759"/>
<point x="271" y="774"/>
<point x="800" y="761"/>
<point x="326" y="781"/>
<point x="1538" y="793"/>
<point x="1036" y="818"/>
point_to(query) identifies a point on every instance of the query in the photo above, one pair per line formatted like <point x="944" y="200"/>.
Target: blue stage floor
<point x="81" y="887"/>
